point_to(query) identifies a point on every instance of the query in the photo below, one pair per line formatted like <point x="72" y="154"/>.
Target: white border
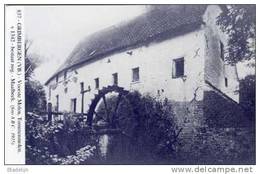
<point x="12" y="155"/>
<point x="104" y="169"/>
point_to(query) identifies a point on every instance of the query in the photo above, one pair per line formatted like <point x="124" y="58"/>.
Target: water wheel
<point x="110" y="112"/>
<point x="108" y="115"/>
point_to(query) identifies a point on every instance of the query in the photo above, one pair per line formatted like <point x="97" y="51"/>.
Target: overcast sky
<point x="55" y="30"/>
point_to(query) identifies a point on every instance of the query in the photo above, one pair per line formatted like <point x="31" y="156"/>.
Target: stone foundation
<point x="215" y="131"/>
<point x="223" y="112"/>
<point x="218" y="146"/>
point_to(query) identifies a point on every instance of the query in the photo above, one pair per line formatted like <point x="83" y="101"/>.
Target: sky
<point x="56" y="30"/>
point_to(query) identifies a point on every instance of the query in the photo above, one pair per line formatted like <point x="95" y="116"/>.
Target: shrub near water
<point x="149" y="132"/>
<point x="148" y="124"/>
<point x="59" y="142"/>
<point x="155" y="133"/>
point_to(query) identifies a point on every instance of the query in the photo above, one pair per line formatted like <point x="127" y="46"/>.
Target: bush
<point x="149" y="127"/>
<point x="35" y="99"/>
<point x="51" y="143"/>
<point x="82" y="155"/>
<point x="149" y="135"/>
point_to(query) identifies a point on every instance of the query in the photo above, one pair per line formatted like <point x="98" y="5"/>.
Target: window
<point x="221" y="50"/>
<point x="82" y="96"/>
<point x="178" y="68"/>
<point x="135" y="76"/>
<point x="97" y="83"/>
<point x="57" y="103"/>
<point x="226" y="82"/>
<point x="73" y="105"/>
<point x="66" y="90"/>
<point x="115" y="79"/>
<point x="65" y="75"/>
<point x="81" y="87"/>
<point x="49" y="92"/>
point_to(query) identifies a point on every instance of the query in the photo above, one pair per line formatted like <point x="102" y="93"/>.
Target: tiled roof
<point x="155" y="25"/>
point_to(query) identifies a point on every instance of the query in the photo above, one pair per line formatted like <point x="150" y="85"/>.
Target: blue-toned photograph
<point x="140" y="84"/>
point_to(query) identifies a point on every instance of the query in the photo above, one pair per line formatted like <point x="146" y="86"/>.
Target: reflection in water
<point x="103" y="145"/>
<point x="114" y="149"/>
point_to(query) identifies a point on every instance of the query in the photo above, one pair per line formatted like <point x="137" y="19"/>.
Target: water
<point x="103" y="145"/>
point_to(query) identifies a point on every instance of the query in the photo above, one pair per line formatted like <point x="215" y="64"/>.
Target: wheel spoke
<point x="111" y="112"/>
<point x="96" y="113"/>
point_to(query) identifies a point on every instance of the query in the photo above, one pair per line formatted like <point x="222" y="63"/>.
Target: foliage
<point x="239" y="22"/>
<point x="247" y="95"/>
<point x="81" y="156"/>
<point x="32" y="60"/>
<point x="219" y="146"/>
<point x="30" y="65"/>
<point x="144" y="121"/>
<point x="154" y="126"/>
<point x="34" y="96"/>
<point x="149" y="126"/>
<point x="58" y="142"/>
<point x="34" y="90"/>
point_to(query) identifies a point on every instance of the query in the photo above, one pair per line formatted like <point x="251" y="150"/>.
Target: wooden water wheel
<point x="107" y="115"/>
<point x="111" y="113"/>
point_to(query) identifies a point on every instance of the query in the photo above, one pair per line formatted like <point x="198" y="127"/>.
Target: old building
<point x="175" y="52"/>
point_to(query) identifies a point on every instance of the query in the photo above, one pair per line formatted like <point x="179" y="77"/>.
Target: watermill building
<point x="174" y="52"/>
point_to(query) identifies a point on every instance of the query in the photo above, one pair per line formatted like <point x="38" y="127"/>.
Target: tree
<point x="34" y="96"/>
<point x="247" y="95"/>
<point x="32" y="60"/>
<point x="239" y="23"/>
<point x="34" y="91"/>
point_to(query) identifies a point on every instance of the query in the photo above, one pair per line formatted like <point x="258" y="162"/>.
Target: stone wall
<point x="218" y="146"/>
<point x="189" y="116"/>
<point x="215" y="110"/>
<point x="220" y="111"/>
<point x="215" y="131"/>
